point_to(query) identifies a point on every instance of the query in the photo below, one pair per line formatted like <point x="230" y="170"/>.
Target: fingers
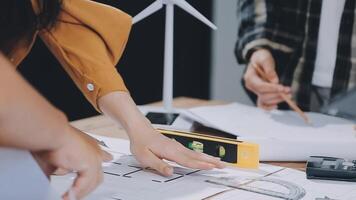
<point x="268" y="67"/>
<point x="191" y="159"/>
<point x="269" y="101"/>
<point x="257" y="85"/>
<point x="190" y="162"/>
<point x="61" y="171"/>
<point x="268" y="91"/>
<point x="107" y="157"/>
<point x="263" y="58"/>
<point x="273" y="98"/>
<point x="85" y="182"/>
<point x="213" y="162"/>
<point x="46" y="167"/>
<point x="148" y="159"/>
<point x="264" y="106"/>
<point x="151" y="156"/>
<point x="69" y="195"/>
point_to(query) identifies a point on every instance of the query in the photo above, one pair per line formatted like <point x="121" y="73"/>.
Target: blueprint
<point x="282" y="131"/>
<point x="125" y="179"/>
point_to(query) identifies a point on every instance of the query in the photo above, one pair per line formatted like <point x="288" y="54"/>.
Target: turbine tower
<point x="169" y="41"/>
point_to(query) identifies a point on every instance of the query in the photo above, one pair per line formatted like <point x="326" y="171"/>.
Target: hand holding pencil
<point x="268" y="92"/>
<point x="287" y="99"/>
<point x="261" y="78"/>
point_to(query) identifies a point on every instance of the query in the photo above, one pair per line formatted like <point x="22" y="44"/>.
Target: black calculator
<point x="329" y="168"/>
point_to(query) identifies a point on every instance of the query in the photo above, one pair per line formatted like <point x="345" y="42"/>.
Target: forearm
<point x="251" y="28"/>
<point x="120" y="107"/>
<point x="266" y="24"/>
<point x="27" y="120"/>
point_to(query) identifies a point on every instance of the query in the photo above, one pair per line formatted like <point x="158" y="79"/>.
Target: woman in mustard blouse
<point x="88" y="39"/>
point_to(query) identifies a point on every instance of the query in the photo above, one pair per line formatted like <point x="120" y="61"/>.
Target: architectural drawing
<point x="125" y="179"/>
<point x="126" y="168"/>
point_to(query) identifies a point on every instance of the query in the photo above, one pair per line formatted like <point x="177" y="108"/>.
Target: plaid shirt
<point x="289" y="29"/>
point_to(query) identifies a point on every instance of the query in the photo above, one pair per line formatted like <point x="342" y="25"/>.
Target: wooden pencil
<point x="288" y="100"/>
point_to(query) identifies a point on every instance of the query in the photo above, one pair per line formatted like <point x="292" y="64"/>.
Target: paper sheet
<point x="21" y="177"/>
<point x="282" y="135"/>
<point x="124" y="179"/>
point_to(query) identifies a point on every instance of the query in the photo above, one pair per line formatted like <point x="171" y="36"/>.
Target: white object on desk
<point x="169" y="40"/>
<point x="282" y="135"/>
<point x="125" y="180"/>
<point x="21" y="178"/>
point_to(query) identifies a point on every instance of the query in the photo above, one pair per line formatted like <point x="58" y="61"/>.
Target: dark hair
<point x="18" y="19"/>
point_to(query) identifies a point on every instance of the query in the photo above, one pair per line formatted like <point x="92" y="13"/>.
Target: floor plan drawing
<point x="126" y="167"/>
<point x="125" y="179"/>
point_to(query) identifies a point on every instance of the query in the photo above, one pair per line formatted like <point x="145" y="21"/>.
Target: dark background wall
<point x="141" y="65"/>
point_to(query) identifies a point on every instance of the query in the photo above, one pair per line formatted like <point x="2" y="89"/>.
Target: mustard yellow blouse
<point x="88" y="41"/>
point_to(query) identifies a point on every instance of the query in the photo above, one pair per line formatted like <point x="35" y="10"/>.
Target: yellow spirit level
<point x="238" y="153"/>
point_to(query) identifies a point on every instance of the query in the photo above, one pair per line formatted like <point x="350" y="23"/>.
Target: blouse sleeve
<point x="88" y="41"/>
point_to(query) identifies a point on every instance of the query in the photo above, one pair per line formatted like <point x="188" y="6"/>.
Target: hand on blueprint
<point x="78" y="154"/>
<point x="150" y="147"/>
<point x="268" y="94"/>
<point x="106" y="157"/>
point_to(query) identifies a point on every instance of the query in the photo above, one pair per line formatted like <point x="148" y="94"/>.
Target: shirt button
<point x="90" y="87"/>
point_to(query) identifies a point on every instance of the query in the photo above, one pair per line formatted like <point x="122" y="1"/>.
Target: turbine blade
<point x="191" y="10"/>
<point x="154" y="7"/>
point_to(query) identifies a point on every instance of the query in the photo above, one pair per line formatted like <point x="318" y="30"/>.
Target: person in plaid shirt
<point x="306" y="47"/>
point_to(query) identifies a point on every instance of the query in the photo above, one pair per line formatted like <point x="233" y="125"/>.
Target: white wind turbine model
<point x="169" y="116"/>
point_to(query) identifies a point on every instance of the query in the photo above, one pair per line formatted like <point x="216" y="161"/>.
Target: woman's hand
<point x="149" y="146"/>
<point x="78" y="153"/>
<point x="268" y="93"/>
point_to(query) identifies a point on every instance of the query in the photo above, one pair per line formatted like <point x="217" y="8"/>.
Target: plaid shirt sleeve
<point x="272" y="24"/>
